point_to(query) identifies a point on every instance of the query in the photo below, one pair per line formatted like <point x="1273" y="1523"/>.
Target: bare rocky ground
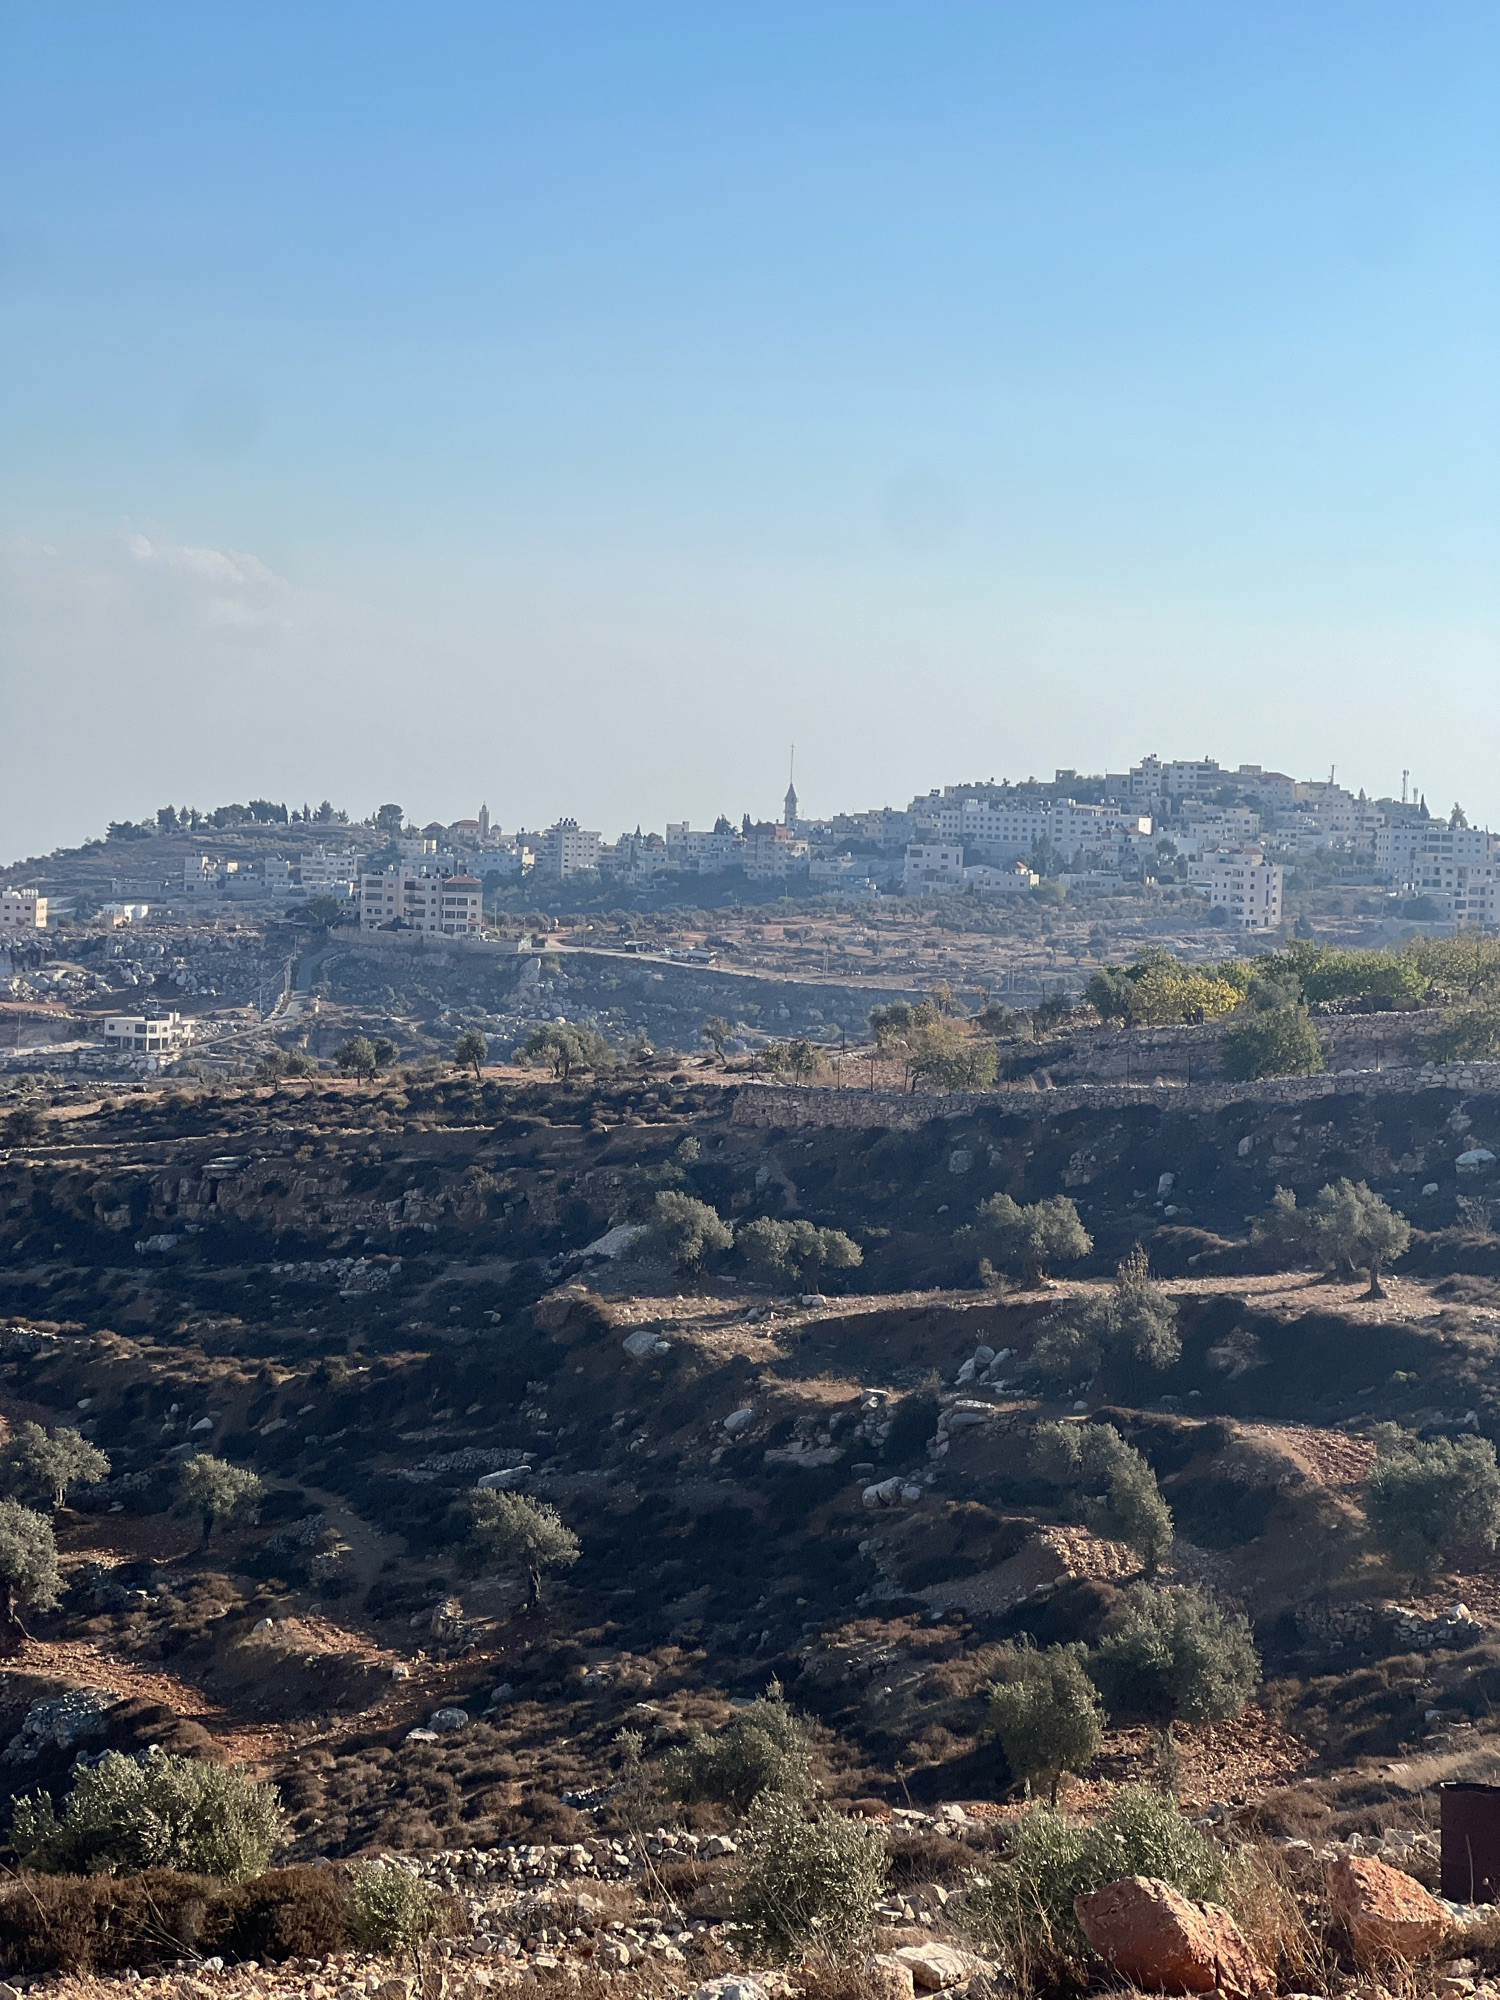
<point x="373" y="1297"/>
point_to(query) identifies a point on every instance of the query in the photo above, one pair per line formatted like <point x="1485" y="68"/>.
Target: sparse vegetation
<point x="1427" y="1499"/>
<point x="28" y="1565"/>
<point x="125" y="1814"/>
<point x="811" y="1879"/>
<point x="392" y="1910"/>
<point x="1085" y="1457"/>
<point x="683" y="1231"/>
<point x="1172" y="1653"/>
<point x="762" y="1748"/>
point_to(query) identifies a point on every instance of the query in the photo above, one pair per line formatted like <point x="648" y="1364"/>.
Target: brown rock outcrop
<point x="1163" y="1943"/>
<point x="1387" y="1914"/>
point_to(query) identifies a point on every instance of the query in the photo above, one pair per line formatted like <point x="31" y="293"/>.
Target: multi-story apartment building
<point x="998" y="830"/>
<point x="325" y="873"/>
<point x="771" y="851"/>
<point x="411" y="899"/>
<point x="566" y="849"/>
<point x="701" y="853"/>
<point x="22" y="910"/>
<point x="1245" y="885"/>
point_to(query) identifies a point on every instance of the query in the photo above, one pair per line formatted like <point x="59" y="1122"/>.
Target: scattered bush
<point x="565" y="1048"/>
<point x="125" y="1814"/>
<point x="64" y="1923"/>
<point x="761" y="1748"/>
<point x="683" y="1230"/>
<point x="1025" y="1908"/>
<point x="1045" y="1712"/>
<point x="1173" y="1653"/>
<point x="1085" y="1457"/>
<point x="1428" y="1500"/>
<point x="392" y="1911"/>
<point x="285" y="1913"/>
<point x="810" y="1882"/>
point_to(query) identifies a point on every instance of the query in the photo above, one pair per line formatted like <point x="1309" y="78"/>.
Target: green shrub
<point x="1428" y="1500"/>
<point x="795" y="1250"/>
<point x="683" y="1230"/>
<point x="1084" y="1457"/>
<point x="1027" y="1237"/>
<point x="810" y="1883"/>
<point x="1045" y="1712"/>
<point x="28" y="1564"/>
<point x="391" y="1910"/>
<point x="1280" y="1042"/>
<point x="1346" y="1227"/>
<point x="219" y="1491"/>
<point x="125" y="1814"/>
<point x="1133" y="1328"/>
<point x="761" y="1748"/>
<point x="1173" y="1653"/>
<point x="1024" y="1908"/>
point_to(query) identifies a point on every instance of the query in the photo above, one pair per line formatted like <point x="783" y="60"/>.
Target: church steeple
<point x="789" y="807"/>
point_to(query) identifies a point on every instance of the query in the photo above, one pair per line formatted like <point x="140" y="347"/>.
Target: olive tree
<point x="1429" y="1499"/>
<point x="219" y="1491"/>
<point x="39" y="1463"/>
<point x="683" y="1230"/>
<point x="1046" y="1715"/>
<point x="28" y="1566"/>
<point x="471" y="1051"/>
<point x="1089" y="1457"/>
<point x="1029" y="1236"/>
<point x="1173" y="1653"/>
<point x="798" y="1249"/>
<point x="357" y="1058"/>
<point x="519" y="1533"/>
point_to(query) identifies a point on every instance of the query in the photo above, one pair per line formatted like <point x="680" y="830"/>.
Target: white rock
<point x="645" y="1340"/>
<point x="1165" y="1183"/>
<point x="502" y="1482"/>
<point x="446" y="1720"/>
<point x="204" y="1424"/>
<point x="737" y="1421"/>
<point x="965" y="1374"/>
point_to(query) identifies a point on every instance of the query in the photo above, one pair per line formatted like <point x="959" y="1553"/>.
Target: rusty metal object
<point x="1471" y="1842"/>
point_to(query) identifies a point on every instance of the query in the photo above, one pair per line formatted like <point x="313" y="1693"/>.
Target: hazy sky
<point x="568" y="405"/>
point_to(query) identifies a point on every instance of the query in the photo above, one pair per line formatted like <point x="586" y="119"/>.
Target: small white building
<point x="22" y="910"/>
<point x="934" y="864"/>
<point x="1018" y="880"/>
<point x="117" y="915"/>
<point x="1245" y="885"/>
<point x="147" y="1035"/>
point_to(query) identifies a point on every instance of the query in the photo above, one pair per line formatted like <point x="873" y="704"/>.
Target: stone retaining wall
<point x="776" y="1105"/>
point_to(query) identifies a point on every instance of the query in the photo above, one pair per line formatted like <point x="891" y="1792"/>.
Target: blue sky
<point x="569" y="406"/>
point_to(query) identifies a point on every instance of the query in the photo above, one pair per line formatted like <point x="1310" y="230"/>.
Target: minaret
<point x="789" y="808"/>
<point x="484" y="822"/>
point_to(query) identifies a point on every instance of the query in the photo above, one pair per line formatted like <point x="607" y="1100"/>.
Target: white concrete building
<point x="146" y="1034"/>
<point x="567" y="849"/>
<point x="701" y="853"/>
<point x="1012" y="881"/>
<point x="934" y="864"/>
<point x="1245" y="885"/>
<point x="322" y="872"/>
<point x="22" y="910"/>
<point x="116" y="915"/>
